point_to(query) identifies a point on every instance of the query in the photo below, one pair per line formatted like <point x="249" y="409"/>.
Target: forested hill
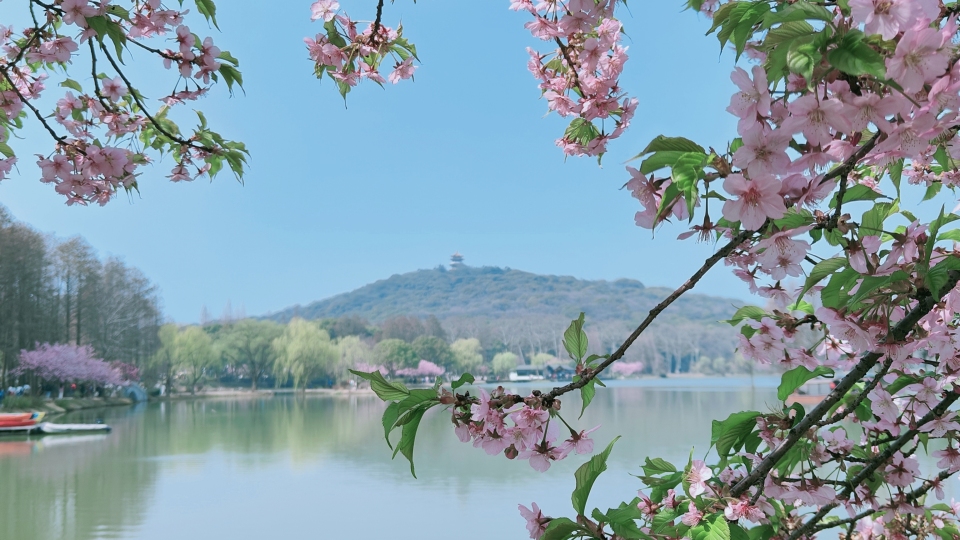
<point x="502" y="293"/>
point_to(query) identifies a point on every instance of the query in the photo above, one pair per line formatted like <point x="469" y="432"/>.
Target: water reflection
<point x="318" y="467"/>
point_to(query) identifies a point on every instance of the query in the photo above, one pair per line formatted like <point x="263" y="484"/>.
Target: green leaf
<point x="714" y="527"/>
<point x="763" y="532"/>
<point x="231" y="75"/>
<point x="932" y="191"/>
<point x="821" y="270"/>
<point x="942" y="158"/>
<point x="70" y="83"/>
<point x="587" y="392"/>
<point x="209" y="11"/>
<point x="560" y="529"/>
<point x="662" y="159"/>
<point x="938" y="276"/>
<point x="664" y="519"/>
<point x="952" y="234"/>
<point x="834" y="295"/>
<point x="796" y="377"/>
<point x="744" y="29"/>
<point x="6" y="150"/>
<point x="798" y="11"/>
<point x="730" y="433"/>
<point x="677" y="144"/>
<point x="854" y="56"/>
<point x="575" y="339"/>
<point x="409" y="436"/>
<point x="466" y="378"/>
<point x="385" y="390"/>
<point x="859" y="193"/>
<point x="871" y="224"/>
<point x="658" y="466"/>
<point x="787" y="32"/>
<point x="586" y="475"/>
<point x="896" y="172"/>
<point x="390" y="416"/>
<point x="802" y="57"/>
<point x="227" y="57"/>
<point x="747" y="312"/>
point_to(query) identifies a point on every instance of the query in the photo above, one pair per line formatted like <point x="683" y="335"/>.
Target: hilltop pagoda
<point x="456" y="260"/>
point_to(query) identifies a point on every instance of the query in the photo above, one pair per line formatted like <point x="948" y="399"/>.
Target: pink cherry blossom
<point x="536" y="523"/>
<point x="757" y="200"/>
<point x="919" y="58"/>
<point x="753" y="98"/>
<point x="697" y="477"/>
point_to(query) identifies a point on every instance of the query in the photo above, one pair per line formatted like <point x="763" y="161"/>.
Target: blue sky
<point x="461" y="159"/>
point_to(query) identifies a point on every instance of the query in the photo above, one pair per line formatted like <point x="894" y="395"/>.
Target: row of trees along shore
<point x="58" y="291"/>
<point x="302" y="353"/>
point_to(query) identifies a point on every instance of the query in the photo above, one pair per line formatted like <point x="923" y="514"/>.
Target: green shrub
<point x="22" y="402"/>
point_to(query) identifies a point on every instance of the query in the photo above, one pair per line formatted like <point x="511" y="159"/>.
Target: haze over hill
<point x="498" y="293"/>
<point x="513" y="310"/>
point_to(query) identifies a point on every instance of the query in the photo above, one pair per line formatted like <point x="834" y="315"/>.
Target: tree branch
<point x="925" y="303"/>
<point x="146" y="111"/>
<point x="876" y="462"/>
<point x="588" y="376"/>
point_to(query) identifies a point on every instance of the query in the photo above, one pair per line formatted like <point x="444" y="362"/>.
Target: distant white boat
<point x="48" y="427"/>
<point x="526" y="373"/>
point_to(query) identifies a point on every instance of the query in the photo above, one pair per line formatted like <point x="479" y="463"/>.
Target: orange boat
<point x="19" y="420"/>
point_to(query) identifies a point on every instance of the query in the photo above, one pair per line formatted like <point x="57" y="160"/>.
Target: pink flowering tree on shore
<point x="66" y="363"/>
<point x="847" y="110"/>
<point x="103" y="131"/>
<point x="425" y="368"/>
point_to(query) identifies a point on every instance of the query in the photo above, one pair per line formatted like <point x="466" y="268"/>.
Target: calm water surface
<point x="318" y="467"/>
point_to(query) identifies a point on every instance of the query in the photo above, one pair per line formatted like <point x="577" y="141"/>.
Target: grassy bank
<point x="28" y="403"/>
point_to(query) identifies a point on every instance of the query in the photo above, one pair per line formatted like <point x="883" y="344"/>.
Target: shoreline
<point x="65" y="405"/>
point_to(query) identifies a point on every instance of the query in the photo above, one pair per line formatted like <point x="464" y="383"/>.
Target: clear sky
<point x="461" y="159"/>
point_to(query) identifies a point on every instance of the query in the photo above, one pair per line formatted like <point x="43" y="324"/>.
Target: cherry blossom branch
<point x="146" y="112"/>
<point x="43" y="121"/>
<point x="851" y="162"/>
<point x="376" y="21"/>
<point x="925" y="303"/>
<point x="591" y="374"/>
<point x="876" y="462"/>
<point x="573" y="69"/>
<point x="860" y="398"/>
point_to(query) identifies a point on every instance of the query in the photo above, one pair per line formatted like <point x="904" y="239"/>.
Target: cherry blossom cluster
<point x="349" y="56"/>
<point x="66" y="363"/>
<point x="526" y="430"/>
<point x="425" y="368"/>
<point x="581" y="77"/>
<point x="103" y="133"/>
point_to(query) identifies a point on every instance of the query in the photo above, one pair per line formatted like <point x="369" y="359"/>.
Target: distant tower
<point x="456" y="260"/>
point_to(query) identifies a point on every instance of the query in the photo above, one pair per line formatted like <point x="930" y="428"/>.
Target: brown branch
<point x="925" y="303"/>
<point x="851" y="162"/>
<point x="376" y="21"/>
<point x="573" y="69"/>
<point x="860" y="398"/>
<point x="879" y="460"/>
<point x="588" y="376"/>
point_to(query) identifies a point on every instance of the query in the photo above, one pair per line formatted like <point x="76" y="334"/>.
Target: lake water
<point x="318" y="467"/>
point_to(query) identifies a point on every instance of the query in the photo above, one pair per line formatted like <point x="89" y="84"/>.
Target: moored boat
<point x="49" y="427"/>
<point x="20" y="420"/>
